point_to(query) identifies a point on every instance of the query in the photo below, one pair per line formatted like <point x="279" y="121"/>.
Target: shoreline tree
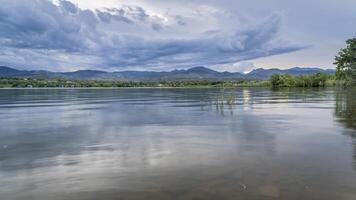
<point x="345" y="63"/>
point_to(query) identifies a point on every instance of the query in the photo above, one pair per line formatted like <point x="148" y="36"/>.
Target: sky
<point x="162" y="35"/>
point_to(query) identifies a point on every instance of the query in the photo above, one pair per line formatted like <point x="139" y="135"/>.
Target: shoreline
<point x="275" y="81"/>
<point x="84" y="88"/>
<point x="64" y="88"/>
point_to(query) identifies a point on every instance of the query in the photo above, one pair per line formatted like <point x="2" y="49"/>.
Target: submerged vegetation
<point x="223" y="98"/>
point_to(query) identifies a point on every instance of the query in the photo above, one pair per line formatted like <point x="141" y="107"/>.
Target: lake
<point x="179" y="143"/>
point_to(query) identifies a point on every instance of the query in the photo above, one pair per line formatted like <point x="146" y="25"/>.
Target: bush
<point x="286" y="80"/>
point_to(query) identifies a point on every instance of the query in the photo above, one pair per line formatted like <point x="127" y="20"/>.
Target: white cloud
<point x="241" y="67"/>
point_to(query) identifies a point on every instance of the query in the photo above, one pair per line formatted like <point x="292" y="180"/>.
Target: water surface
<point x="177" y="144"/>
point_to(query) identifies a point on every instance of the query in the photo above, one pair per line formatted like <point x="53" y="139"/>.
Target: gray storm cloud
<point x="51" y="35"/>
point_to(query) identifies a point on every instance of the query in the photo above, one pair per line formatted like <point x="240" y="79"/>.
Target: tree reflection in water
<point x="345" y="112"/>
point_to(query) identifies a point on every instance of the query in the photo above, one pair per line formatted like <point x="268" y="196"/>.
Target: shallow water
<point x="177" y="144"/>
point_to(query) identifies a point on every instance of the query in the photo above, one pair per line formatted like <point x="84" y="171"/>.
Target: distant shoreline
<point x="276" y="80"/>
<point x="186" y="87"/>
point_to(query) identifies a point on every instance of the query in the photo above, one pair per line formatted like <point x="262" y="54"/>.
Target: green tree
<point x="346" y="62"/>
<point x="275" y="80"/>
<point x="318" y="80"/>
<point x="282" y="80"/>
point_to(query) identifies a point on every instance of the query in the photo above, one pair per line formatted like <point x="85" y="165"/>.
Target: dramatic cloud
<point x="60" y="35"/>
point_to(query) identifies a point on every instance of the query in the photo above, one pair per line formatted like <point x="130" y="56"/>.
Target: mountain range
<point x="195" y="73"/>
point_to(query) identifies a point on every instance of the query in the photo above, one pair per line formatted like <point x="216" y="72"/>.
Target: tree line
<point x="313" y="80"/>
<point x="64" y="83"/>
<point x="317" y="80"/>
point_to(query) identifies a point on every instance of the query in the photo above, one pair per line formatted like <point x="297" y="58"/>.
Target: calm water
<point x="177" y="144"/>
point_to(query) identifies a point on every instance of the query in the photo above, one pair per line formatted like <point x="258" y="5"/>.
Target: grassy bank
<point x="316" y="80"/>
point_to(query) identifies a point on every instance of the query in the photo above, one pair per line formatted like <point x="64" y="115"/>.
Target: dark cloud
<point x="180" y="20"/>
<point x="63" y="34"/>
<point x="40" y="24"/>
<point x="68" y="6"/>
<point x="211" y="48"/>
<point x="106" y="17"/>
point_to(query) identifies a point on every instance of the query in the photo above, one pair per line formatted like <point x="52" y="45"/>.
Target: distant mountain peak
<point x="9" y="68"/>
<point x="88" y="71"/>
<point x="200" y="69"/>
<point x="304" y="68"/>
